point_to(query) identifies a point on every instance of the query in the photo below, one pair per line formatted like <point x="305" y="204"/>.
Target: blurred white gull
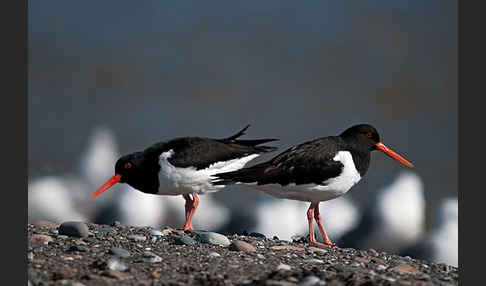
<point x="339" y="215"/>
<point x="440" y="245"/>
<point x="394" y="219"/>
<point x="49" y="198"/>
<point x="66" y="196"/>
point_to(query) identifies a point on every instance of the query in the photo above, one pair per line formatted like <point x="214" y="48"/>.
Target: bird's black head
<point x="365" y="137"/>
<point x="140" y="170"/>
<point x="129" y="166"/>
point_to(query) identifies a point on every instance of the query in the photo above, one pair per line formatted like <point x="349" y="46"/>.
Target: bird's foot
<point x="326" y="244"/>
<point x="188" y="227"/>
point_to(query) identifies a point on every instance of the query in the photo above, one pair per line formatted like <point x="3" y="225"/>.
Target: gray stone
<point x="78" y="248"/>
<point x="214" y="254"/>
<point x="313" y="260"/>
<point x="136" y="237"/>
<point x="74" y="228"/>
<point x="119" y="252"/>
<point x="114" y="264"/>
<point x="185" y="240"/>
<point x="239" y="245"/>
<point x="30" y="256"/>
<point x="312" y="281"/>
<point x="156" y="232"/>
<point x="214" y="238"/>
<point x="285" y="267"/>
<point x="151" y="257"/>
<point x="39" y="239"/>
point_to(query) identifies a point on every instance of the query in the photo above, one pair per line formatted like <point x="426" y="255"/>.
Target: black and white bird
<point x="184" y="166"/>
<point x="315" y="171"/>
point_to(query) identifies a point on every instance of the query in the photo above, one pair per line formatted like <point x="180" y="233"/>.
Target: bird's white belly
<point x="177" y="181"/>
<point x="330" y="189"/>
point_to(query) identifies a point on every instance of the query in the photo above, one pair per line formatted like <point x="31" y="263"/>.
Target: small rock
<point x="272" y="282"/>
<point x="116" y="274"/>
<point x="405" y="268"/>
<point x="168" y="230"/>
<point x="239" y="245"/>
<point x="40" y="239"/>
<point x="381" y="267"/>
<point x="260" y="256"/>
<point x="372" y="252"/>
<point x="317" y="249"/>
<point x="79" y="248"/>
<point x="313" y="260"/>
<point x="257" y="234"/>
<point x="214" y="238"/>
<point x="155" y="274"/>
<point x="74" y="228"/>
<point x="285" y="267"/>
<point x="119" y="252"/>
<point x="30" y="256"/>
<point x="214" y="254"/>
<point x="312" y="281"/>
<point x="45" y="223"/>
<point x="156" y="232"/>
<point x="115" y="223"/>
<point x="114" y="264"/>
<point x="185" y="240"/>
<point x="151" y="257"/>
<point x="136" y="237"/>
<point x="287" y="247"/>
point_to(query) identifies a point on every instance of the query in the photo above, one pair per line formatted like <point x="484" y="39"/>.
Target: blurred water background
<point x="148" y="71"/>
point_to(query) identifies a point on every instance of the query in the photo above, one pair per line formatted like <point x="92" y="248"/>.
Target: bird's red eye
<point x="128" y="165"/>
<point x="368" y="135"/>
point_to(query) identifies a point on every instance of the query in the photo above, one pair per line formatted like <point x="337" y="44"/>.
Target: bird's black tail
<point x="250" y="143"/>
<point x="245" y="175"/>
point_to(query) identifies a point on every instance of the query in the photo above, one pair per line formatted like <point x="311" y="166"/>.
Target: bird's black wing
<point x="201" y="152"/>
<point x="309" y="162"/>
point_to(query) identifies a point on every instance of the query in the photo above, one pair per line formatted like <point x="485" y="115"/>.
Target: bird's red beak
<point x="393" y="155"/>
<point x="115" y="179"/>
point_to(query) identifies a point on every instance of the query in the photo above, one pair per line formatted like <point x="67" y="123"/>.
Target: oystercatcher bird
<point x="183" y="166"/>
<point x="315" y="171"/>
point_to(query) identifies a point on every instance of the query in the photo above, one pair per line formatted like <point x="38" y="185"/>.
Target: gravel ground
<point x="89" y="254"/>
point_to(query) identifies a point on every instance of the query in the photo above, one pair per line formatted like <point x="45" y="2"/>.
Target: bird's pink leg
<point x="191" y="205"/>
<point x="317" y="217"/>
<point x="311" y="212"/>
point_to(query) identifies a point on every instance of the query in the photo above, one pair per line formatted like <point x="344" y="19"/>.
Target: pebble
<point x="312" y="281"/>
<point x="185" y="240"/>
<point x="114" y="264"/>
<point x="257" y="234"/>
<point x="239" y="245"/>
<point x="381" y="267"/>
<point x="317" y="249"/>
<point x="151" y="257"/>
<point x="45" y="223"/>
<point x="260" y="256"/>
<point x="287" y="247"/>
<point x="30" y="256"/>
<point x="156" y="232"/>
<point x="40" y="239"/>
<point x="282" y="266"/>
<point x="74" y="228"/>
<point x="119" y="252"/>
<point x="136" y="237"/>
<point x="214" y="238"/>
<point x="313" y="260"/>
<point x="116" y="274"/>
<point x="405" y="268"/>
<point x="79" y="248"/>
<point x="214" y="254"/>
